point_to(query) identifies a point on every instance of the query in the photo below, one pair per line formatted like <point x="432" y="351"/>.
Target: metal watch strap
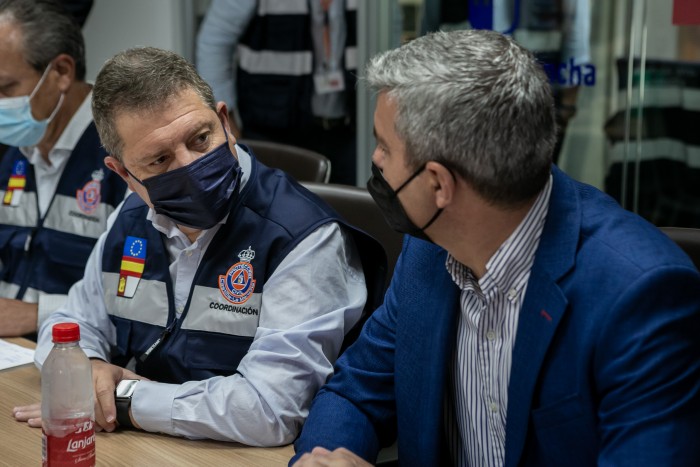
<point x="123" y="418"/>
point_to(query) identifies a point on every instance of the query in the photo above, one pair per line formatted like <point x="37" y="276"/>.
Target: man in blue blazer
<point x="530" y="321"/>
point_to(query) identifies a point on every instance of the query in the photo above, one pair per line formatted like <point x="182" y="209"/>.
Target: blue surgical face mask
<point x="17" y="125"/>
<point x="199" y="194"/>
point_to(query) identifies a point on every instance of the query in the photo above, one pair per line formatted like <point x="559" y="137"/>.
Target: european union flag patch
<point x="16" y="184"/>
<point x="132" y="266"/>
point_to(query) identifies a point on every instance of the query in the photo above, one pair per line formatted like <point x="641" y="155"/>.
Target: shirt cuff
<point x="48" y="303"/>
<point x="151" y="406"/>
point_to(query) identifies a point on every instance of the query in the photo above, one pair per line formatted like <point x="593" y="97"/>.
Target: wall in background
<point x="115" y="26"/>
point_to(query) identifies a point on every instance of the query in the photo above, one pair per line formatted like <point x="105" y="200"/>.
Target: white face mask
<point x="17" y="125"/>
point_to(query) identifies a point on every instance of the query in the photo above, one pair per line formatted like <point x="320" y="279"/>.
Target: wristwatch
<point x="122" y="398"/>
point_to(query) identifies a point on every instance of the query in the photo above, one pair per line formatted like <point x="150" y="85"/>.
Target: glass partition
<point x="626" y="78"/>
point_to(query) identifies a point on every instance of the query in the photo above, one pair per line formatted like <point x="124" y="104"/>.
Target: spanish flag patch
<point x="131" y="269"/>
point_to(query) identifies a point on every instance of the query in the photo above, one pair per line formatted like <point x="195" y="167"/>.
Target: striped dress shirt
<point x="477" y="394"/>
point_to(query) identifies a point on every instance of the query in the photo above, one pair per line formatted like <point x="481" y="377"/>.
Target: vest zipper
<point x="29" y="242"/>
<point x="163" y="336"/>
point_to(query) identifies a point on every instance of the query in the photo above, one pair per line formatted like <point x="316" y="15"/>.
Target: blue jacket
<point x="271" y="216"/>
<point x="48" y="254"/>
<point x="606" y="363"/>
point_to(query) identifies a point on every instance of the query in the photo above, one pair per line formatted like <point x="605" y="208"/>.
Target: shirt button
<point x="188" y="253"/>
<point x="512" y="293"/>
<point x="493" y="407"/>
<point x="491" y="335"/>
<point x="180" y="309"/>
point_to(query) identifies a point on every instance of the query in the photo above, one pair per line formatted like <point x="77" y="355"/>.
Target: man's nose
<point x="183" y="157"/>
<point x="376" y="159"/>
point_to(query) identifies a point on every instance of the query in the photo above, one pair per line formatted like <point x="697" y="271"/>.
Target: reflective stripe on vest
<point x="146" y="306"/>
<point x="283" y="7"/>
<point x="269" y="62"/>
<point x="7" y="289"/>
<point x="292" y="7"/>
<point x="210" y="311"/>
<point x="22" y="215"/>
<point x="31" y="295"/>
<point x="351" y="58"/>
<point x="65" y="216"/>
<point x="207" y="311"/>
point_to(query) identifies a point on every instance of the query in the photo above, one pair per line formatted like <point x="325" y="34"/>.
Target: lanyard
<point x="325" y="6"/>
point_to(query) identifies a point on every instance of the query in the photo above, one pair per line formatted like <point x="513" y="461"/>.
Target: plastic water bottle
<point x="67" y="410"/>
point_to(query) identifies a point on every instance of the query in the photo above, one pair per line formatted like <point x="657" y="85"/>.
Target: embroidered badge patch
<point x="89" y="197"/>
<point x="16" y="184"/>
<point x="237" y="284"/>
<point x="131" y="269"/>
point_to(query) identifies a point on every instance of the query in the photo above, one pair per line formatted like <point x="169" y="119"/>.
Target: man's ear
<point x="65" y="67"/>
<point x="443" y="183"/>
<point x="222" y="112"/>
<point x="116" y="166"/>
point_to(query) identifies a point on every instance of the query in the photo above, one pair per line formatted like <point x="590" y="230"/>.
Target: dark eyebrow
<point x="206" y="125"/>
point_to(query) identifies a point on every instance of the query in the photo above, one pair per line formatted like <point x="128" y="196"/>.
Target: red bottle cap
<point x="65" y="332"/>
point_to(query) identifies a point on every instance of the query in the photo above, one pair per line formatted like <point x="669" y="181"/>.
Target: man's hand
<point x="28" y="413"/>
<point x="17" y="318"/>
<point x="341" y="457"/>
<point x="105" y="378"/>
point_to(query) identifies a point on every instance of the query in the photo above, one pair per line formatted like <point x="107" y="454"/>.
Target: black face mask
<point x="199" y="194"/>
<point x="388" y="201"/>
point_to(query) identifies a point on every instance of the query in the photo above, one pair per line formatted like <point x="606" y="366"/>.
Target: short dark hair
<point x="141" y="79"/>
<point x="48" y="30"/>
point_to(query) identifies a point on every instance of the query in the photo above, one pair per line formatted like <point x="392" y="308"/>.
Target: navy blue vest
<point x="283" y="101"/>
<point x="48" y="254"/>
<point x="271" y="216"/>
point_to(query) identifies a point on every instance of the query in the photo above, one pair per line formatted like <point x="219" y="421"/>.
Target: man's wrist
<point x="123" y="394"/>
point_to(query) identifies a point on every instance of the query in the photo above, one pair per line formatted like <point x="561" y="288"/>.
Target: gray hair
<point x="142" y="79"/>
<point x="477" y="102"/>
<point x="48" y="30"/>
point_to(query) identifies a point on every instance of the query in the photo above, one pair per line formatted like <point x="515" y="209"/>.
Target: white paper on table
<point x="14" y="355"/>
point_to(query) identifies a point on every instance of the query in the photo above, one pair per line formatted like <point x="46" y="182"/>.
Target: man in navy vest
<point x="56" y="192"/>
<point x="224" y="282"/>
<point x="293" y="80"/>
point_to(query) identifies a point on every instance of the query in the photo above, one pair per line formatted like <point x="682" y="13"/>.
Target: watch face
<point x="125" y="388"/>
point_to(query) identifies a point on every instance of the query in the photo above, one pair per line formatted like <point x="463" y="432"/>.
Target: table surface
<point x="21" y="445"/>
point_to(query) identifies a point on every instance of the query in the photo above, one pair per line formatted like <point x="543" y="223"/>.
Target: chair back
<point x="302" y="164"/>
<point x="359" y="209"/>
<point x="687" y="239"/>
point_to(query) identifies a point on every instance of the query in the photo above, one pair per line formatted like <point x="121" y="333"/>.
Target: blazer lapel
<point x="537" y="324"/>
<point x="426" y="333"/>
<point x="542" y="310"/>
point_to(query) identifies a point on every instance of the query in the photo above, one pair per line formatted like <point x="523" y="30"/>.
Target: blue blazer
<point x="606" y="362"/>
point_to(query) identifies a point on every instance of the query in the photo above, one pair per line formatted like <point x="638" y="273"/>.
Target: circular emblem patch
<point x="89" y="197"/>
<point x="237" y="284"/>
